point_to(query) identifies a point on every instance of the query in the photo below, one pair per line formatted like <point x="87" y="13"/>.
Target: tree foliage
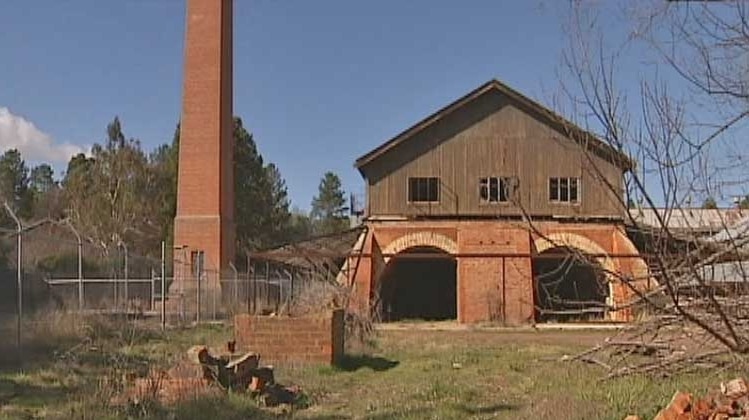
<point x="110" y="195"/>
<point x="261" y="198"/>
<point x="120" y="193"/>
<point x="329" y="206"/>
<point x="710" y="203"/>
<point x="14" y="183"/>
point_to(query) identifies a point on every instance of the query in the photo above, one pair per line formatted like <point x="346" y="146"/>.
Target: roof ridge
<point x="553" y="118"/>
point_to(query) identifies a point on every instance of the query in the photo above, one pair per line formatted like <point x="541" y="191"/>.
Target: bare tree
<point x="681" y="120"/>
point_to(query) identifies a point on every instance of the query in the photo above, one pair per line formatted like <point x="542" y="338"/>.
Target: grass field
<point x="409" y="373"/>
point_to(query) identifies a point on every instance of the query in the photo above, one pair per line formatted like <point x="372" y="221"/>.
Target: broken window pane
<point x="573" y="189"/>
<point x="503" y="189"/>
<point x="493" y="190"/>
<point x="563" y="189"/>
<point x="554" y="189"/>
<point x="484" y="189"/>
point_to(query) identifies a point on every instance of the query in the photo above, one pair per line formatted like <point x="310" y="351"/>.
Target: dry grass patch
<point x="407" y="374"/>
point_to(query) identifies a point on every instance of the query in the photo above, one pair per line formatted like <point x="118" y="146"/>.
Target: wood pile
<point x="203" y="374"/>
<point x="730" y="402"/>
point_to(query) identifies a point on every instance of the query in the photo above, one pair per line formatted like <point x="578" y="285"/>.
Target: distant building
<point x="459" y="186"/>
<point x="693" y="221"/>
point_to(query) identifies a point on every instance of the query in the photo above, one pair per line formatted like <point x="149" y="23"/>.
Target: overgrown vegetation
<point x="120" y="193"/>
<point x="73" y="366"/>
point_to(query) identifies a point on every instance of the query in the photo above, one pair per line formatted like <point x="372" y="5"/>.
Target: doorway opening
<point x="419" y="288"/>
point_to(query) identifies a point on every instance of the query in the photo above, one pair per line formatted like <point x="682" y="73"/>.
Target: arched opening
<point x="568" y="287"/>
<point x="419" y="287"/>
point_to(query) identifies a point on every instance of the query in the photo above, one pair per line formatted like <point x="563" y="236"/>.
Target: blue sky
<point x="319" y="83"/>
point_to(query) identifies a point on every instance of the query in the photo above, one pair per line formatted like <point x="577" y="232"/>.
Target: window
<point x="495" y="189"/>
<point x="423" y="190"/>
<point x="564" y="190"/>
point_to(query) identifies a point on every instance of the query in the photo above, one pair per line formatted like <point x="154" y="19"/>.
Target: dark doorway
<point x="419" y="288"/>
<point x="569" y="287"/>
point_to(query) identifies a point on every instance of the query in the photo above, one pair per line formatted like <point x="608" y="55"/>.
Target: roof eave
<point x="617" y="158"/>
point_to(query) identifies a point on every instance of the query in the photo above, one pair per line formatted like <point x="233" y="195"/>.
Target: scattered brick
<point x="731" y="402"/>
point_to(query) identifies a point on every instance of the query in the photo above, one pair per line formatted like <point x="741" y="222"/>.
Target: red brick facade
<point x="495" y="289"/>
<point x="205" y="192"/>
<point x="292" y="340"/>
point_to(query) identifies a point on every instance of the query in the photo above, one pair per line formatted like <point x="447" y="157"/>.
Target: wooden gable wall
<point x="491" y="137"/>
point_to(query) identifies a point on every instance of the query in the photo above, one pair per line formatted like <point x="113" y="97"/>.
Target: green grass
<point x="410" y="374"/>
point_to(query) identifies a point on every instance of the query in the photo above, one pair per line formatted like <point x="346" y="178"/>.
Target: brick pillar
<point x="370" y="268"/>
<point x="205" y="186"/>
<point x="493" y="288"/>
<point x="634" y="269"/>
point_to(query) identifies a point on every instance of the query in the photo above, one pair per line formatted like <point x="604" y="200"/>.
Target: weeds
<point x="411" y="374"/>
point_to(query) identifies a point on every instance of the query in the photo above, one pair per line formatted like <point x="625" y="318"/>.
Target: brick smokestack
<point x="205" y="188"/>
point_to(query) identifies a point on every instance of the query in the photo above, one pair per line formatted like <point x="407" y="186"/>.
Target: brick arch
<point x="640" y="269"/>
<point x="586" y="245"/>
<point x="411" y="240"/>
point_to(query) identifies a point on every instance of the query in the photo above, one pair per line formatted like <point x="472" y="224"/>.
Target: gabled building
<point x="462" y="207"/>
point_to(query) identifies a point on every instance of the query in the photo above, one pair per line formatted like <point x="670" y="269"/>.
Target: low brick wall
<point x="292" y="340"/>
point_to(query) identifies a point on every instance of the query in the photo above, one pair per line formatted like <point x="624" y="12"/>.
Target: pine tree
<point x="329" y="206"/>
<point x="709" y="203"/>
<point x="14" y="183"/>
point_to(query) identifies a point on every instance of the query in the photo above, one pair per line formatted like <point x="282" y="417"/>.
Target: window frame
<point x="503" y="193"/>
<point x="427" y="189"/>
<point x="564" y="189"/>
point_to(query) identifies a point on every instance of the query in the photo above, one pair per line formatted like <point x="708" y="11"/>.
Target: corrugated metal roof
<point x="738" y="230"/>
<point x="728" y="272"/>
<point x="697" y="219"/>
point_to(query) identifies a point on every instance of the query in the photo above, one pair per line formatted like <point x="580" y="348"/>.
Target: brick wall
<point x="287" y="341"/>
<point x="205" y="185"/>
<point x="487" y="289"/>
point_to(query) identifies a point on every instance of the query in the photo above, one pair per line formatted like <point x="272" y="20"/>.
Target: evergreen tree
<point x="744" y="203"/>
<point x="14" y="183"/>
<point x="42" y="179"/>
<point x="280" y="217"/>
<point x="46" y="192"/>
<point x="164" y="165"/>
<point x="251" y="191"/>
<point x="329" y="206"/>
<point x="709" y="203"/>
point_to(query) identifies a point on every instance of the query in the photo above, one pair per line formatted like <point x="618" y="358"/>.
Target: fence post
<point x="19" y="292"/>
<point x="291" y="291"/>
<point x="267" y="283"/>
<point x="199" y="270"/>
<point x="163" y="285"/>
<point x="124" y="246"/>
<point x="248" y="288"/>
<point x="80" y="265"/>
<point x="235" y="303"/>
<point x="153" y="289"/>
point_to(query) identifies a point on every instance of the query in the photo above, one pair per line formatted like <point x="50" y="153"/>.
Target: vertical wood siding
<point x="491" y="137"/>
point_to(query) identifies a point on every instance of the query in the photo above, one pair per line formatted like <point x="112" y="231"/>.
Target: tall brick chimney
<point x="204" y="226"/>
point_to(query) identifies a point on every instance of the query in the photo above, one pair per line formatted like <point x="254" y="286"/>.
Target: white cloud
<point x="34" y="144"/>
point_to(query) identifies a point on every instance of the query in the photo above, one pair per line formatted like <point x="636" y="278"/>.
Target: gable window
<point x="564" y="190"/>
<point x="494" y="189"/>
<point x="424" y="190"/>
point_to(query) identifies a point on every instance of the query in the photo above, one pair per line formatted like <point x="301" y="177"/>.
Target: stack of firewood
<point x="204" y="374"/>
